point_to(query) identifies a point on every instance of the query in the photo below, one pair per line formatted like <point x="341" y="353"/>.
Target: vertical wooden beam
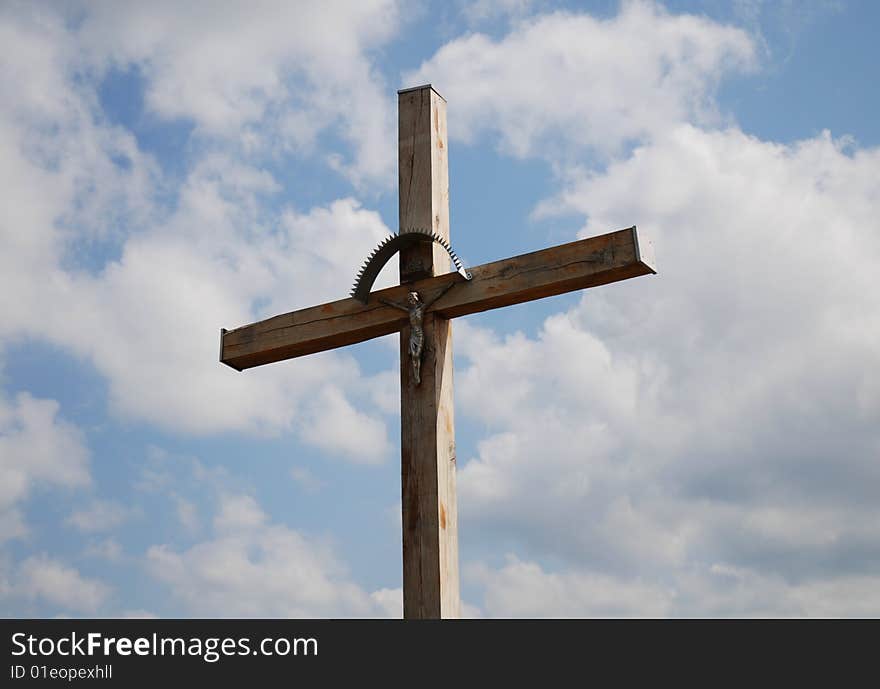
<point x="430" y="523"/>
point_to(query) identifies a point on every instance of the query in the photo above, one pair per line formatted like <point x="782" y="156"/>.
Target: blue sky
<point x="699" y="443"/>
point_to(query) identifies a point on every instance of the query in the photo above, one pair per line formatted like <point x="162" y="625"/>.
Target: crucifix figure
<point x="427" y="443"/>
<point x="416" y="308"/>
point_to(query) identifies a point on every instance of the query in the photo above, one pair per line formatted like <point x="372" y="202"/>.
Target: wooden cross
<point x="427" y="443"/>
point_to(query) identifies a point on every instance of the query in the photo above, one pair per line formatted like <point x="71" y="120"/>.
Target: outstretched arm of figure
<point x="442" y="292"/>
<point x="394" y="304"/>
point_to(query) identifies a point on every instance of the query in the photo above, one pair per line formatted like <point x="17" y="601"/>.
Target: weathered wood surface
<point x="423" y="179"/>
<point x="427" y="430"/>
<point x="577" y="265"/>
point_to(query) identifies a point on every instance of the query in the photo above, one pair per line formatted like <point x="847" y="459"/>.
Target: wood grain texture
<point x="423" y="179"/>
<point x="427" y="429"/>
<point x="427" y="453"/>
<point x="577" y="265"/>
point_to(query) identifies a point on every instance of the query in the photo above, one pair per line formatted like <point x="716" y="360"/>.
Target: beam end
<point x="644" y="251"/>
<point x="419" y="88"/>
<point x="223" y="332"/>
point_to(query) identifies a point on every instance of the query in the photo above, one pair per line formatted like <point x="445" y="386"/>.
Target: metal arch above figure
<point x="390" y="246"/>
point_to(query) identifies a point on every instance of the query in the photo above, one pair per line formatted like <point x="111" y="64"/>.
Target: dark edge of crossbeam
<point x="223" y="332"/>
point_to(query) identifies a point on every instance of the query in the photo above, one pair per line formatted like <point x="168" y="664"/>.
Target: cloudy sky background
<point x="699" y="443"/>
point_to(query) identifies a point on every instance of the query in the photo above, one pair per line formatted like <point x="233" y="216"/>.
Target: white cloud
<point x="560" y="84"/>
<point x="167" y="473"/>
<point x="384" y="387"/>
<point x="100" y="515"/>
<point x="269" y="78"/>
<point x="479" y="11"/>
<point x="44" y="578"/>
<point x="12" y="525"/>
<point x="36" y="447"/>
<point x="389" y="601"/>
<point x="187" y="514"/>
<point x="469" y="611"/>
<point x="524" y="589"/>
<point x="329" y="422"/>
<point x="238" y="512"/>
<point x="163" y="302"/>
<point x="716" y="413"/>
<point x="209" y="267"/>
<point x="306" y="479"/>
<point x="108" y="549"/>
<point x="149" y="319"/>
<point x="62" y="189"/>
<point x="320" y="252"/>
<point x="138" y="615"/>
<point x="254" y="568"/>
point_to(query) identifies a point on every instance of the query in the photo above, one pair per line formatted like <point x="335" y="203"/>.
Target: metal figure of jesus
<point x="416" y="309"/>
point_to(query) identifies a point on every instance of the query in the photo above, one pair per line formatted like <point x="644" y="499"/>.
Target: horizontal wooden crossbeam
<point x="585" y="263"/>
